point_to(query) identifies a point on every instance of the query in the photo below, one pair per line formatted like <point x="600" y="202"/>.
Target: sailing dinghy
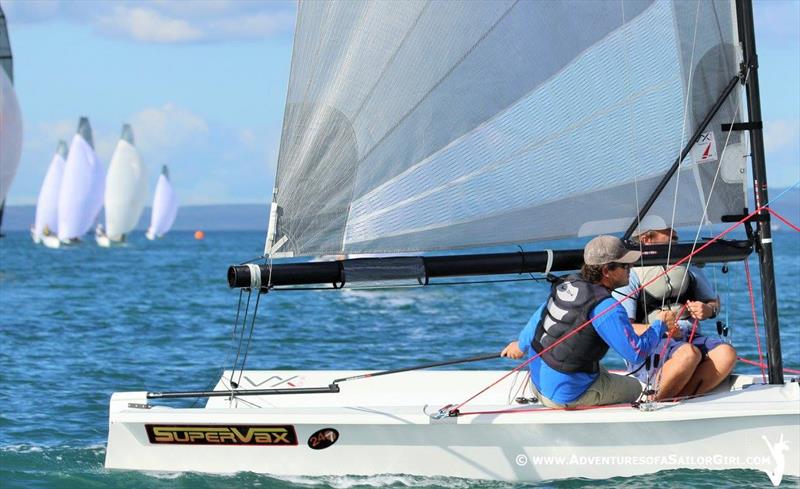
<point x="125" y="191"/>
<point x="81" y="195"/>
<point x="165" y="207"/>
<point x="45" y="227"/>
<point x="10" y="118"/>
<point x="424" y="126"/>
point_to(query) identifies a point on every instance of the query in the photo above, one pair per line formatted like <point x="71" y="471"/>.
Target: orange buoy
<point x="199" y="234"/>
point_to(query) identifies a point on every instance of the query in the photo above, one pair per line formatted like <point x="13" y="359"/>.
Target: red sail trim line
<point x="755" y="318"/>
<point x="784" y="220"/>
<point x="759" y="364"/>
<point x="453" y="410"/>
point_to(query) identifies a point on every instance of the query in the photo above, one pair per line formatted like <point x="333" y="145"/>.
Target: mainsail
<point x="81" y="195"/>
<point x="126" y="188"/>
<point x="165" y="207"/>
<point x="47" y="203"/>
<point x="416" y="126"/>
<point x="10" y="117"/>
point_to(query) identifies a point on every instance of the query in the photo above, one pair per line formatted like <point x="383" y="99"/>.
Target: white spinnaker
<point x="81" y="195"/>
<point x="165" y="208"/>
<point x="126" y="190"/>
<point x="47" y="204"/>
<point x="10" y="133"/>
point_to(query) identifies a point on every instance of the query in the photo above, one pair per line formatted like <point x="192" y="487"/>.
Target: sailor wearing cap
<point x="688" y="369"/>
<point x="567" y="372"/>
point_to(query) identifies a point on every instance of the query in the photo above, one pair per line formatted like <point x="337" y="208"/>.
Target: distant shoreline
<point x="221" y="217"/>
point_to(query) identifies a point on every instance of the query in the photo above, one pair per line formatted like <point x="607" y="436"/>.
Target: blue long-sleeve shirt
<point x="614" y="328"/>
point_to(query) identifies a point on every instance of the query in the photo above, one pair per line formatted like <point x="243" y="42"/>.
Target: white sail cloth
<point x="441" y="125"/>
<point x="47" y="203"/>
<point x="81" y="195"/>
<point x="165" y="208"/>
<point x="10" y="134"/>
<point x="126" y="191"/>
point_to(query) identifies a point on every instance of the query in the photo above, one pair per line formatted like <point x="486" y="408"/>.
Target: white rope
<point x="683" y="134"/>
<point x="549" y="261"/>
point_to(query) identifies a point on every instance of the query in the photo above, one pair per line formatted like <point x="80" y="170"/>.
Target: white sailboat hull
<point x="104" y="241"/>
<point x="384" y="426"/>
<point x="51" y="241"/>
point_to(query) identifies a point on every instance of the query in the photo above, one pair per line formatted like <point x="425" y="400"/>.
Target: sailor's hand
<point x="699" y="310"/>
<point x="512" y="351"/>
<point x="671" y="321"/>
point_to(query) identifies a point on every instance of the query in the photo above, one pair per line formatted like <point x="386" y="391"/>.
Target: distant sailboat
<point x="45" y="226"/>
<point x="165" y="207"/>
<point x="126" y="191"/>
<point x="10" y="118"/>
<point x="81" y="195"/>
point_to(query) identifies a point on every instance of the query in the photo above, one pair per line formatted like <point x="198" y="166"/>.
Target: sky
<point x="203" y="83"/>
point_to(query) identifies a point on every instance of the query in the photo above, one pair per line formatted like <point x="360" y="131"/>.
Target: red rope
<point x="610" y="308"/>
<point x="784" y="220"/>
<point x="694" y="328"/>
<point x="757" y="364"/>
<point x="755" y="318"/>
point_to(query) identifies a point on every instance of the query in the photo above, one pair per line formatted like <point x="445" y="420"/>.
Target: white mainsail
<point x="81" y="195"/>
<point x="10" y="117"/>
<point x="418" y="126"/>
<point x="126" y="188"/>
<point x="46" y="222"/>
<point x="165" y="207"/>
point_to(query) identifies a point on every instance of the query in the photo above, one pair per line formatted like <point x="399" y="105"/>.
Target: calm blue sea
<point x="83" y="322"/>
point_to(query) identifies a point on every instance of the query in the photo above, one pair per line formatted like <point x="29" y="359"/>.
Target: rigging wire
<point x="755" y="318"/>
<point x="683" y="135"/>
<point x="241" y="336"/>
<point x="249" y="337"/>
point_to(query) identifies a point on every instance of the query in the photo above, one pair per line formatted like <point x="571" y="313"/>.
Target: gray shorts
<point x="607" y="389"/>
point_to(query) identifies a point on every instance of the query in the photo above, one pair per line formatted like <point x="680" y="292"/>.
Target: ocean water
<point x="80" y="323"/>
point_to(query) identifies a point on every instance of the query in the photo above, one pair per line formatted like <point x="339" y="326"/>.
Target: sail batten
<point x="421" y="126"/>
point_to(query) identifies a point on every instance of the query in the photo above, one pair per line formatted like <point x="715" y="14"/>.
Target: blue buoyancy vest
<point x="570" y="304"/>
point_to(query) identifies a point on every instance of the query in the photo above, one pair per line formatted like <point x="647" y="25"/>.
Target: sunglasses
<point x="614" y="266"/>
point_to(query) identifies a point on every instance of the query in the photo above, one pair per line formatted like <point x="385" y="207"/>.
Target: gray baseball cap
<point x="608" y="249"/>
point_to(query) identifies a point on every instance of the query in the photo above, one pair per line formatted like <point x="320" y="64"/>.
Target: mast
<point x="744" y="13"/>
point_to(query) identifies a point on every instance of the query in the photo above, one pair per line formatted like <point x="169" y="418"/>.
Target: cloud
<point x="780" y="135"/>
<point x="49" y="133"/>
<point x="165" y="21"/>
<point x="147" y="26"/>
<point x="170" y="126"/>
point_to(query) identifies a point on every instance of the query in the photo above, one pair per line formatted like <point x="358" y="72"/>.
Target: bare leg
<point x="711" y="371"/>
<point x="677" y="371"/>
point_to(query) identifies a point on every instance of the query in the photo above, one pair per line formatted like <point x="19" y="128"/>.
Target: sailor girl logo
<point x="776" y="450"/>
<point x="323" y="438"/>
